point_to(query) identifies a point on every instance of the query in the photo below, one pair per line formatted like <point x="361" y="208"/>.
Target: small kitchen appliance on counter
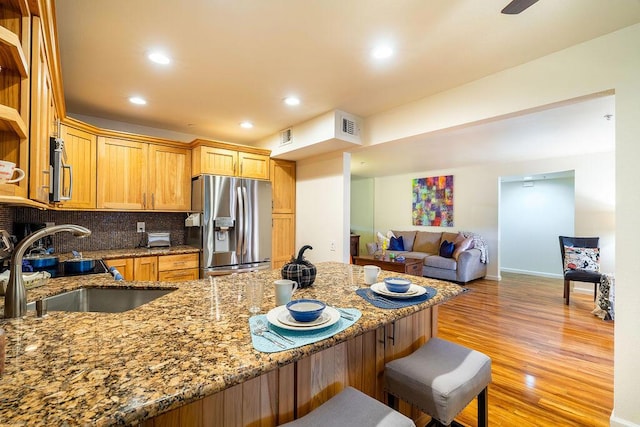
<point x="158" y="240"/>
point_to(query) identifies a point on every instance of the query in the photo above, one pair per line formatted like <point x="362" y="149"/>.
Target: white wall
<point x="611" y="62"/>
<point x="531" y="219"/>
<point x="322" y="216"/>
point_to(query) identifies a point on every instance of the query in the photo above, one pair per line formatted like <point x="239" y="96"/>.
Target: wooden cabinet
<point x="139" y="176"/>
<point x="218" y="158"/>
<point x="165" y="268"/>
<point x="178" y="268"/>
<point x="123" y="265"/>
<point x="169" y="178"/>
<point x="283" y="236"/>
<point x="145" y="269"/>
<point x="15" y="30"/>
<point x="80" y="148"/>
<point x="122" y="174"/>
<point x="43" y="117"/>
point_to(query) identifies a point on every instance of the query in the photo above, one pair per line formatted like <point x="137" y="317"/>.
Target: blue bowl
<point x="397" y="284"/>
<point x="305" y="310"/>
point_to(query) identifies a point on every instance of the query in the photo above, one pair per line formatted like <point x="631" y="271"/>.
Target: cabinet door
<point x="253" y="165"/>
<point x="145" y="269"/>
<point x="43" y="115"/>
<point x="122" y="174"/>
<point x="282" y="239"/>
<point x="123" y="265"/>
<point x="215" y="161"/>
<point x="283" y="178"/>
<point x="178" y="262"/>
<point x="169" y="178"/>
<point x="80" y="147"/>
<point x="179" y="275"/>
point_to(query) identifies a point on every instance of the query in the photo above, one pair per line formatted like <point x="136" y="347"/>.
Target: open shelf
<point x="11" y="54"/>
<point x="10" y="120"/>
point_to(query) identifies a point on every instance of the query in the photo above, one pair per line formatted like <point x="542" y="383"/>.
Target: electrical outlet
<point x="332" y="246"/>
<point x="140" y="227"/>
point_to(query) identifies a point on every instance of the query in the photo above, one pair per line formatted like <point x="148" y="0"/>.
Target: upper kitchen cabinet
<point x="122" y="174"/>
<point x="220" y="158"/>
<point x="43" y="116"/>
<point x="15" y="40"/>
<point x="136" y="175"/>
<point x="80" y="154"/>
<point x="170" y="178"/>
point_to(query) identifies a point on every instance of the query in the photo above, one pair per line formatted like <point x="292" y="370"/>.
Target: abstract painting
<point x="432" y="201"/>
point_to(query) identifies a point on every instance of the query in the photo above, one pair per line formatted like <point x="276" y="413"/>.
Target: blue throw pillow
<point x="446" y="249"/>
<point x="396" y="244"/>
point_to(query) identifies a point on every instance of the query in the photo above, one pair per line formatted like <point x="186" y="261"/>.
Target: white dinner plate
<point x="273" y="316"/>
<point x="285" y="317"/>
<point x="414" y="291"/>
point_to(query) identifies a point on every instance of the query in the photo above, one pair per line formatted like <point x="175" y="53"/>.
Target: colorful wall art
<point x="433" y="201"/>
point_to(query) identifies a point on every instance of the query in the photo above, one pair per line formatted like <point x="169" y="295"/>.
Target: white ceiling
<point x="236" y="60"/>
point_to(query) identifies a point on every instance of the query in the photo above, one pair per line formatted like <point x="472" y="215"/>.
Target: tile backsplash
<point x="109" y="230"/>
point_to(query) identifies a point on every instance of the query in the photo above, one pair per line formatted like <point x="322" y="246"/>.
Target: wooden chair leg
<point x="483" y="408"/>
<point x="595" y="290"/>
<point x="567" y="291"/>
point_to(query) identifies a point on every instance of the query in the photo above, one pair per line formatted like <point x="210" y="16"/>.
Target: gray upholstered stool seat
<point x="351" y="407"/>
<point x="441" y="378"/>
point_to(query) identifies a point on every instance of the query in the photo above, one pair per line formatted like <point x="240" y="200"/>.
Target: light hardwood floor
<point x="552" y="364"/>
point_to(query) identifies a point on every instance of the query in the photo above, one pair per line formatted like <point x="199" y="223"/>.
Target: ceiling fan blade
<point x="517" y="6"/>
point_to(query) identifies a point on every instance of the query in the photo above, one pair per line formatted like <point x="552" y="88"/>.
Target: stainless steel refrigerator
<point x="231" y="223"/>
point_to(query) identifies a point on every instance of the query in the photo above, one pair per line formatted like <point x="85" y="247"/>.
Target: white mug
<point x="284" y="290"/>
<point x="6" y="172"/>
<point x="371" y="273"/>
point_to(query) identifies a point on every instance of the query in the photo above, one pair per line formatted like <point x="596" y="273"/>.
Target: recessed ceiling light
<point x="382" y="52"/>
<point x="292" y="100"/>
<point x="137" y="100"/>
<point x="246" y="125"/>
<point x="159" y="58"/>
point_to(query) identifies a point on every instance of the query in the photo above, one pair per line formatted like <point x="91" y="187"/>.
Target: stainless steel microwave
<point x="60" y="174"/>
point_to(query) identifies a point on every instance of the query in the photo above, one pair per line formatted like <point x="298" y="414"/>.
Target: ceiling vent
<point x="286" y="137"/>
<point x="349" y="125"/>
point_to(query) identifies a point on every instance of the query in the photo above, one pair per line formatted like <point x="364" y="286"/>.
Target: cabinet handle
<point x="153" y="200"/>
<point x="144" y="200"/>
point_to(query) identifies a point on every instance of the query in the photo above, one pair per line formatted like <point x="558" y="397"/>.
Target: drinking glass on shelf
<point x="254" y="291"/>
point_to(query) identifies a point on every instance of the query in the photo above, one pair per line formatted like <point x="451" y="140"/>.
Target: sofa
<point x="457" y="257"/>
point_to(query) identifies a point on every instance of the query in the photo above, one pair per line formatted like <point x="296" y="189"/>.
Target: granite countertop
<point x="133" y="252"/>
<point x="120" y="368"/>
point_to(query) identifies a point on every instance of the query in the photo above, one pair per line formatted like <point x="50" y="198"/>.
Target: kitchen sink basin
<point x="105" y="300"/>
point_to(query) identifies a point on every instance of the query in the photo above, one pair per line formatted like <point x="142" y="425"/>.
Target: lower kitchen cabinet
<point x="165" y="268"/>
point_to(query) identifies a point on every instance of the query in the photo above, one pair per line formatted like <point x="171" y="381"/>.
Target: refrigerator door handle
<point x="245" y="221"/>
<point x="240" y="216"/>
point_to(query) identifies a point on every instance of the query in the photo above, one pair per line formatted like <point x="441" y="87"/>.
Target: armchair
<point x="579" y="274"/>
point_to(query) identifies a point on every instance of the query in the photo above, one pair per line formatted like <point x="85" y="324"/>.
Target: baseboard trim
<point x="619" y="422"/>
<point x="532" y="273"/>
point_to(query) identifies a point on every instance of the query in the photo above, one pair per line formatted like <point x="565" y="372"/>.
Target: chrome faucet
<point x="15" y="298"/>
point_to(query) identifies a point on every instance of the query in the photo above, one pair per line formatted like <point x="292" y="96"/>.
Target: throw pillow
<point x="446" y="249"/>
<point x="587" y="259"/>
<point x="396" y="244"/>
<point x="462" y="246"/>
<point x="381" y="238"/>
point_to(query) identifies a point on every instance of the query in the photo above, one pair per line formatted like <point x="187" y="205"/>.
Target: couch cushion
<point x="440" y="262"/>
<point x="407" y="238"/>
<point x="416" y="255"/>
<point x="451" y="237"/>
<point x="427" y="241"/>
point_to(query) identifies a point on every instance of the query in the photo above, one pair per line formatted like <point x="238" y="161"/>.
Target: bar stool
<point x="351" y="407"/>
<point x="440" y="378"/>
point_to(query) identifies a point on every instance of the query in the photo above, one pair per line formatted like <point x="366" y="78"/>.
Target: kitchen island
<point x="187" y="358"/>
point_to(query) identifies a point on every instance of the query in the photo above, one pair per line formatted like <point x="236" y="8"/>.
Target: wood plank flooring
<point x="552" y="364"/>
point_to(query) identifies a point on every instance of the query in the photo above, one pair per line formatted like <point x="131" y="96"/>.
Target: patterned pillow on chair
<point x="587" y="259"/>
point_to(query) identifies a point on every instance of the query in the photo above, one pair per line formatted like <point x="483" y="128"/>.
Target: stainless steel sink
<point x="105" y="300"/>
